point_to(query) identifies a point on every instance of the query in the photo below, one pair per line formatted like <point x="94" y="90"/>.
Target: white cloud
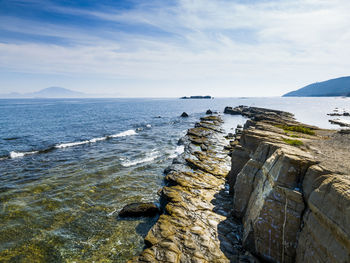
<point x="279" y="45"/>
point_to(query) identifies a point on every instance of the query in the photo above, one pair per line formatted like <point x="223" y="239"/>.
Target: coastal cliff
<point x="276" y="191"/>
<point x="293" y="203"/>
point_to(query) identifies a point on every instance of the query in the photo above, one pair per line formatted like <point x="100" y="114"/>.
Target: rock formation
<point x="293" y="205"/>
<point x="196" y="225"/>
<point x="283" y="196"/>
<point x="139" y="210"/>
<point x="184" y="115"/>
<point x="342" y="123"/>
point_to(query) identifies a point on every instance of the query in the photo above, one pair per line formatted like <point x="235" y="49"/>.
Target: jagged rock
<point x="274" y="210"/>
<point x="292" y="209"/>
<point x="342" y="123"/>
<point x="346" y="131"/>
<point x="209" y="112"/>
<point x="139" y="210"/>
<point x="230" y="110"/>
<point x="325" y="236"/>
<point x="184" y="115"/>
<point x="196" y="225"/>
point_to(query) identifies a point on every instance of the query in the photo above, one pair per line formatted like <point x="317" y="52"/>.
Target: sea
<point x="68" y="166"/>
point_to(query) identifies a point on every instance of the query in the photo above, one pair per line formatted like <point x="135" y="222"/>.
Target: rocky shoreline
<point x="196" y="225"/>
<point x="277" y="199"/>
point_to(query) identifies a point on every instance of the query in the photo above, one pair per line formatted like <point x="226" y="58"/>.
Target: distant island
<point x="197" y="97"/>
<point x="330" y="88"/>
<point x="51" y="92"/>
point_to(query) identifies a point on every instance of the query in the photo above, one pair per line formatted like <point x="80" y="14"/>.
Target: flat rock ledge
<point x="197" y="225"/>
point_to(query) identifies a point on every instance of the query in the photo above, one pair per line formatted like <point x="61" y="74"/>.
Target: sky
<point x="163" y="48"/>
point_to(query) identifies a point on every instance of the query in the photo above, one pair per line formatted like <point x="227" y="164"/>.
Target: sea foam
<point x="151" y="156"/>
<point x="21" y="154"/>
<point x="15" y="154"/>
<point x="123" y="134"/>
<point x="93" y="140"/>
<point x="178" y="150"/>
<point x="70" y="144"/>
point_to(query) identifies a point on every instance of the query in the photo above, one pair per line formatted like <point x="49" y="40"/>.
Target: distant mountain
<point x="52" y="92"/>
<point x="56" y="92"/>
<point x="329" y="88"/>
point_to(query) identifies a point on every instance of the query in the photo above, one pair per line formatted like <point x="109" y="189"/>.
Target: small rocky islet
<point x="275" y="191"/>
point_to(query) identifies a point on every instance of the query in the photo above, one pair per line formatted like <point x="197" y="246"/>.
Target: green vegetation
<point x="293" y="136"/>
<point x="293" y="142"/>
<point x="300" y="129"/>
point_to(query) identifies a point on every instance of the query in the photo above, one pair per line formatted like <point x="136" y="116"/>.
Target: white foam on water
<point x="93" y="140"/>
<point x="178" y="150"/>
<point x="123" y="134"/>
<point x="21" y="154"/>
<point x="98" y="139"/>
<point x="70" y="144"/>
<point x="15" y="154"/>
<point x="151" y="156"/>
<point x="111" y="213"/>
<point x="148" y="126"/>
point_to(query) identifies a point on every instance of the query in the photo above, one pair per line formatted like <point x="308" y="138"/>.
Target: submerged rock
<point x="184" y="115"/>
<point x="139" y="210"/>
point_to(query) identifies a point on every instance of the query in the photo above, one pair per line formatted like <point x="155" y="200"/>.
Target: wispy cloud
<point x="250" y="44"/>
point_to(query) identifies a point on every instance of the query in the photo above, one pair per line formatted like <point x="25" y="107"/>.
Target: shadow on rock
<point x="146" y="224"/>
<point x="230" y="230"/>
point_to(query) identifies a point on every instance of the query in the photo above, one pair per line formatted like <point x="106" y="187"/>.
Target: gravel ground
<point x="333" y="151"/>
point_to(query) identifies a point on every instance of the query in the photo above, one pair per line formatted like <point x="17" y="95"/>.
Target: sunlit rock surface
<point x="293" y="205"/>
<point x="284" y="196"/>
<point x="196" y="225"/>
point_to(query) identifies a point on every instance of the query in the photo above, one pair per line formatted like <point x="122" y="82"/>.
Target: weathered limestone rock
<point x="325" y="236"/>
<point x="196" y="225"/>
<point x="292" y="209"/>
<point x="291" y="196"/>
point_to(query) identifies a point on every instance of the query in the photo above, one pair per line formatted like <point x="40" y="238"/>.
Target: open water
<point x="67" y="166"/>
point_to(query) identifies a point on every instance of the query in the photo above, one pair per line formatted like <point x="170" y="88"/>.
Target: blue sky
<point x="172" y="48"/>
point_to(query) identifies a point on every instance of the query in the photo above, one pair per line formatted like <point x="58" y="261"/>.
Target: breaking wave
<point x="123" y="134"/>
<point x="15" y="154"/>
<point x="151" y="156"/>
<point x="21" y="154"/>
<point x="179" y="149"/>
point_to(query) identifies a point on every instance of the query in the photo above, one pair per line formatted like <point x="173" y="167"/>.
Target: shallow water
<point x="68" y="166"/>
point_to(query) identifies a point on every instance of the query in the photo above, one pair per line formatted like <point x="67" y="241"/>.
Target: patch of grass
<point x="300" y="129"/>
<point x="293" y="136"/>
<point x="293" y="142"/>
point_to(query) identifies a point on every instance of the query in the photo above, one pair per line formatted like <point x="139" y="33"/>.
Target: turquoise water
<point x="68" y="166"/>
